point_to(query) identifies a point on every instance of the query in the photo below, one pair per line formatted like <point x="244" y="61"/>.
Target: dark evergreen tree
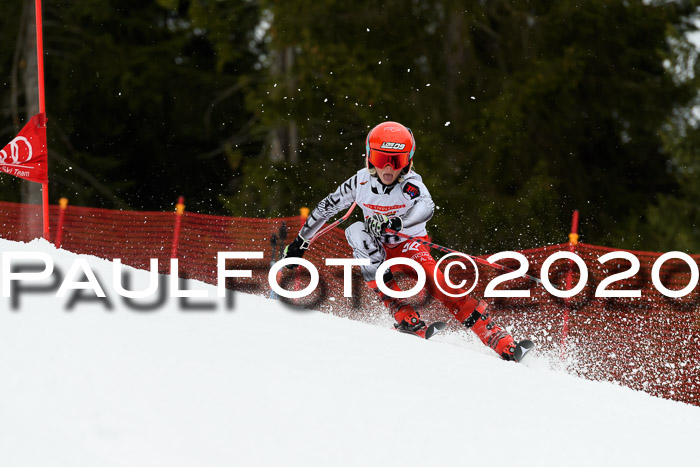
<point x="522" y="110"/>
<point x="143" y="99"/>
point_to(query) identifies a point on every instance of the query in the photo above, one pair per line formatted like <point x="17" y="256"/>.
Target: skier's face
<point x="387" y="175"/>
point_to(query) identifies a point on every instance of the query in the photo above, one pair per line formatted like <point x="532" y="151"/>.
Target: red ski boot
<point x="407" y="319"/>
<point x="489" y="332"/>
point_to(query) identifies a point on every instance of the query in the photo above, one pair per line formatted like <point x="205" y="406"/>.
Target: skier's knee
<point x="356" y="234"/>
<point x="365" y="246"/>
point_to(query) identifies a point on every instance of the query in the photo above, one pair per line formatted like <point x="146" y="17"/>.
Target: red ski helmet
<point x="391" y="144"/>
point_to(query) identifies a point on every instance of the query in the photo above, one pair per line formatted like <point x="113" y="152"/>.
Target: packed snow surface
<point x="266" y="384"/>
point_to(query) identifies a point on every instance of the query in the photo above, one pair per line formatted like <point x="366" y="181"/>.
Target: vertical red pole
<point x="42" y="107"/>
<point x="62" y="205"/>
<point x="179" y="210"/>
<point x="573" y="241"/>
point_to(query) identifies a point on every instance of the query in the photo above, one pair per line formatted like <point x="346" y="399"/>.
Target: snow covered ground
<point x="264" y="384"/>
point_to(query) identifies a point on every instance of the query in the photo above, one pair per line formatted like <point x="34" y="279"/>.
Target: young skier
<point x="393" y="196"/>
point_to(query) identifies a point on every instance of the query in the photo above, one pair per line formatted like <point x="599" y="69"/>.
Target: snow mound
<point x="262" y="383"/>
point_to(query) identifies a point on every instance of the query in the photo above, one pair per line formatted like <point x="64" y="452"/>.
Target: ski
<point x="522" y="348"/>
<point x="434" y="328"/>
<point x="426" y="332"/>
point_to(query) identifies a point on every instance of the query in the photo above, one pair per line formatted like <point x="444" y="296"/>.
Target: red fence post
<point x="179" y="210"/>
<point x="573" y="241"/>
<point x="303" y="215"/>
<point x="62" y="205"/>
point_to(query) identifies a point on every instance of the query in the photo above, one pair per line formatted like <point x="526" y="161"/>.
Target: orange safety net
<point x="650" y="343"/>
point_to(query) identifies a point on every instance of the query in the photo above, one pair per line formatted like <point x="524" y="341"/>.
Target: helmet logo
<point x="389" y="145"/>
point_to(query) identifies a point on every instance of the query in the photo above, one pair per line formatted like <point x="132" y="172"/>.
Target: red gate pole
<point x="62" y="205"/>
<point x="573" y="241"/>
<point x="179" y="211"/>
<point x="42" y="108"/>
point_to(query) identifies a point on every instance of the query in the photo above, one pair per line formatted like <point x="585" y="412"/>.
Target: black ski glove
<point x="376" y="224"/>
<point x="296" y="249"/>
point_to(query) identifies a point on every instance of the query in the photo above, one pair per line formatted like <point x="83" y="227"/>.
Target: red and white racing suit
<point x="410" y="200"/>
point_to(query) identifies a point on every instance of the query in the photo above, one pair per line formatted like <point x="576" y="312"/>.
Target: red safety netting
<point x="651" y="343"/>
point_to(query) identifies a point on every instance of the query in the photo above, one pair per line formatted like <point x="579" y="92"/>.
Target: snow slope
<point x="264" y="384"/>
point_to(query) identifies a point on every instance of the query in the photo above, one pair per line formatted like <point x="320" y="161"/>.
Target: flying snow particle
<point x="325" y="100"/>
<point x="367" y="29"/>
<point x="447" y="123"/>
<point x="380" y="62"/>
<point x="473" y="98"/>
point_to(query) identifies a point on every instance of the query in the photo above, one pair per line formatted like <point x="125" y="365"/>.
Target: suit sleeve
<point x="331" y="205"/>
<point x="423" y="205"/>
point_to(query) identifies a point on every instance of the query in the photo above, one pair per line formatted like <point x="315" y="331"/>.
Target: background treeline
<point x="522" y="110"/>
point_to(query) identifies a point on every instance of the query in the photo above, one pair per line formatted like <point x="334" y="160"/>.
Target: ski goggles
<point x="396" y="160"/>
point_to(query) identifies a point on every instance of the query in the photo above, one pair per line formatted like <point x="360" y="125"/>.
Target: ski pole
<point x="319" y="234"/>
<point x="450" y="250"/>
<point x="334" y="224"/>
